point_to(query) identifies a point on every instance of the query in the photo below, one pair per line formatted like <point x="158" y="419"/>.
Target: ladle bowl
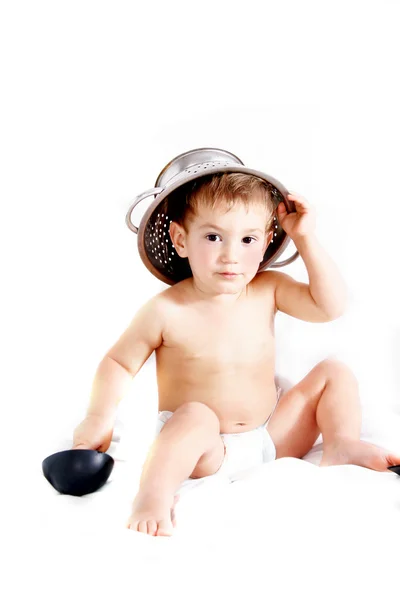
<point x="77" y="472"/>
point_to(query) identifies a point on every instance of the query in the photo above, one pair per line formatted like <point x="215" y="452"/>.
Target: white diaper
<point x="243" y="451"/>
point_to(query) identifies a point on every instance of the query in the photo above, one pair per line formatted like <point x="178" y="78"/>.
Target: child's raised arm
<point x="325" y="297"/>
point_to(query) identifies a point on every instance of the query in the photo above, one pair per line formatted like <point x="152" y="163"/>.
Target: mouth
<point x="229" y="275"/>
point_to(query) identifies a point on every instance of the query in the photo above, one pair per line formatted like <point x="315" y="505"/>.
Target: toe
<point x="142" y="526"/>
<point x="164" y="527"/>
<point x="152" y="527"/>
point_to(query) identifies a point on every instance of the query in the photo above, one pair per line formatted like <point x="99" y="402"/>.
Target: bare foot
<point x="153" y="514"/>
<point x="357" y="452"/>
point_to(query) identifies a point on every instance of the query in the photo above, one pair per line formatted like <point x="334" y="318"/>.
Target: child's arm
<point x="126" y="357"/>
<point x="325" y="297"/>
<point x="326" y="285"/>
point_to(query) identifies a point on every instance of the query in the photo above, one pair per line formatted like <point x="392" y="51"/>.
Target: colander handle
<point x="283" y="263"/>
<point x="151" y="192"/>
<point x="290" y="207"/>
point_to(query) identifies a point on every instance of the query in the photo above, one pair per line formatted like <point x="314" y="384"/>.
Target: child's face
<point x="220" y="242"/>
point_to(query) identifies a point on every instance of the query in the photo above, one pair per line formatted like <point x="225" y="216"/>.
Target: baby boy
<point x="213" y="334"/>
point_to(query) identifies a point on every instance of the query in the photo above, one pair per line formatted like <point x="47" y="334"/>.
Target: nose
<point x="229" y="253"/>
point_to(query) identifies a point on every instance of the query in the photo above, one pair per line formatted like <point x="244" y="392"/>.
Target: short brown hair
<point x="220" y="188"/>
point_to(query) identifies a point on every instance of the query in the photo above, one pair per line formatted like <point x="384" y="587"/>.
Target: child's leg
<point x="189" y="445"/>
<point x="326" y="401"/>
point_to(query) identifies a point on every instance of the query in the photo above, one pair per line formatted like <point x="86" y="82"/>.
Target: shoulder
<point x="269" y="281"/>
<point x="265" y="282"/>
<point x="172" y="299"/>
<point x="263" y="287"/>
<point x="278" y="285"/>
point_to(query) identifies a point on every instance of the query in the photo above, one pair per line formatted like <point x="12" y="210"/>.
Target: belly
<point x="242" y="396"/>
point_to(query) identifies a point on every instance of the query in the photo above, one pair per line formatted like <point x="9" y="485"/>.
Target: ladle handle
<point x="151" y="192"/>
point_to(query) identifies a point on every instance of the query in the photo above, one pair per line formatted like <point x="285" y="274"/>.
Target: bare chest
<point x="237" y="337"/>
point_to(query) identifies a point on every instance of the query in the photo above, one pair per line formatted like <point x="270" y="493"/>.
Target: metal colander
<point x="172" y="184"/>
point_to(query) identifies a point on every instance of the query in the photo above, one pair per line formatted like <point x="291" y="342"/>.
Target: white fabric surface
<point x="290" y="529"/>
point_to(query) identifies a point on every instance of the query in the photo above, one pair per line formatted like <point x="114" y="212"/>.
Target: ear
<point x="268" y="239"/>
<point x="178" y="238"/>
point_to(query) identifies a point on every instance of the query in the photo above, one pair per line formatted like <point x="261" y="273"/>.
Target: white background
<point x="98" y="96"/>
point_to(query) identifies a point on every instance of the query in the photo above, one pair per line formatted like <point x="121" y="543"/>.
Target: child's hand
<point x="302" y="222"/>
<point x="93" y="433"/>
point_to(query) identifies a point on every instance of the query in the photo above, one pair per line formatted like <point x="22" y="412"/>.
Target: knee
<point x="335" y="369"/>
<point x="201" y="414"/>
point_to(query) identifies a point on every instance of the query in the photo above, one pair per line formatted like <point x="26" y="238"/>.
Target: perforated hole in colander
<point x="204" y="166"/>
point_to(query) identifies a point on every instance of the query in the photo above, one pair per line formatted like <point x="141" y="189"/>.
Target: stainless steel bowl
<point x="154" y="243"/>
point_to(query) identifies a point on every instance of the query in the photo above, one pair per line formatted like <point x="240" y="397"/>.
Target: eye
<point x="212" y="235"/>
<point x="249" y="238"/>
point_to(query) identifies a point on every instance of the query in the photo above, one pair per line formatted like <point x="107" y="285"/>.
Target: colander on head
<point x="172" y="184"/>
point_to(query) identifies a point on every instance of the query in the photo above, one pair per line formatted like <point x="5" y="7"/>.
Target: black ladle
<point x="77" y="472"/>
<point x="395" y="469"/>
